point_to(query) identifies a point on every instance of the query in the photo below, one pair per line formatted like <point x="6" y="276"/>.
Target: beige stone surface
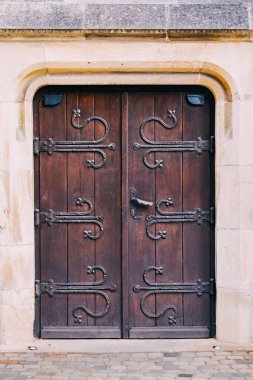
<point x="21" y="207"/>
<point x="15" y="56"/>
<point x="227" y="197"/>
<point x="17" y="267"/>
<point x="224" y="67"/>
<point x="234" y="271"/>
<point x="246" y="131"/>
<point x="246" y="196"/>
<point x="17" y="315"/>
<point x="233" y="316"/>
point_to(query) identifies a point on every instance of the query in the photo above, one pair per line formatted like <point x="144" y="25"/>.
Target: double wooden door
<point x="124" y="212"/>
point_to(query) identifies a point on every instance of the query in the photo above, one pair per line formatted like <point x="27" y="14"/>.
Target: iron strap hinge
<point x="51" y="146"/>
<point x="51" y="288"/>
<point x="212" y="144"/>
<point x="97" y="287"/>
<point x="198" y="288"/>
<point x="51" y="217"/>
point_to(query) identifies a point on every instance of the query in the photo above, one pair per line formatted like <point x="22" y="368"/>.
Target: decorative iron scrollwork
<point x="171" y="115"/>
<point x="76" y="114"/>
<point x="49" y="217"/>
<point x="50" y="146"/>
<point x="152" y="146"/>
<point x="154" y="288"/>
<point x="95" y="287"/>
<point x="198" y="216"/>
<point x="82" y="201"/>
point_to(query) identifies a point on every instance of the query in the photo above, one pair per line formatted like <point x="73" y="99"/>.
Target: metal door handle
<point x="137" y="202"/>
<point x="141" y="203"/>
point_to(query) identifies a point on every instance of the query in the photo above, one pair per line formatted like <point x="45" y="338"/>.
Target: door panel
<point x="123" y="192"/>
<point x="80" y="274"/>
<point x="169" y="165"/>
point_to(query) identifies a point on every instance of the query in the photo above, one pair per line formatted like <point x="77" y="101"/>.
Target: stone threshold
<point x="90" y="346"/>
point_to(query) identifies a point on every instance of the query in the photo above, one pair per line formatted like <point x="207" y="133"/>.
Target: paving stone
<point x="244" y="361"/>
<point x="171" y="354"/>
<point x="155" y="355"/>
<point x="153" y="366"/>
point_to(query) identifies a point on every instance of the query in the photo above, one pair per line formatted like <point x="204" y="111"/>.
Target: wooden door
<point x="123" y="212"/>
<point x="78" y="213"/>
<point x="171" y="224"/>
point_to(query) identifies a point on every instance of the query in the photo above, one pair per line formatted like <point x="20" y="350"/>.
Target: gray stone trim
<point x="126" y="15"/>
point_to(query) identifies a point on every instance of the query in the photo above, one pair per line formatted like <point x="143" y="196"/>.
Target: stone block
<point x="227" y="197"/>
<point x="21" y="223"/>
<point x="17" y="316"/>
<point x="234" y="261"/>
<point x="226" y="134"/>
<point x="233" y="316"/>
<point x="17" y="267"/>
<point x="246" y="197"/>
<point x="41" y="15"/>
<point x="125" y="16"/>
<point x="15" y="58"/>
<point x="208" y="16"/>
<point x="246" y="132"/>
<point x="4" y="190"/>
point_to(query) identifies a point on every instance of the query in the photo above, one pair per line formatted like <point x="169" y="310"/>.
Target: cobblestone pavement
<point x="221" y="365"/>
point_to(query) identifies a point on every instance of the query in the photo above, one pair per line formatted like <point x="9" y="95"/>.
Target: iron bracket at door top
<point x="154" y="288"/>
<point x="50" y="217"/>
<point x="198" y="216"/>
<point x="96" y="288"/>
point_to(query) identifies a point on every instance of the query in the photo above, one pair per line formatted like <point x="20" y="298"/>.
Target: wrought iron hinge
<point x="50" y="217"/>
<point x="37" y="288"/>
<point x="211" y="286"/>
<point x="36" y="146"/>
<point x="37" y="217"/>
<point x="212" y="144"/>
<point x="96" y="287"/>
<point x="198" y="216"/>
<point x="212" y="215"/>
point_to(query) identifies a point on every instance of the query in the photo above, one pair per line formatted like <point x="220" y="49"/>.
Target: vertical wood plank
<point x="125" y="216"/>
<point x="81" y="183"/>
<point x="141" y="248"/>
<point x="196" y="194"/>
<point x="169" y="185"/>
<point x="53" y="195"/>
<point x="108" y="204"/>
<point x="36" y="133"/>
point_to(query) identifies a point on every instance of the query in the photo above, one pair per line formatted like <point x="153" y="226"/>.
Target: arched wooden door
<point x="124" y="212"/>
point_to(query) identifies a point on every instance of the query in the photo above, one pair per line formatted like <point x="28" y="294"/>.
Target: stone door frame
<point x="213" y="77"/>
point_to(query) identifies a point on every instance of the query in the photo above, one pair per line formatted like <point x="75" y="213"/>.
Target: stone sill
<point x="170" y="34"/>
